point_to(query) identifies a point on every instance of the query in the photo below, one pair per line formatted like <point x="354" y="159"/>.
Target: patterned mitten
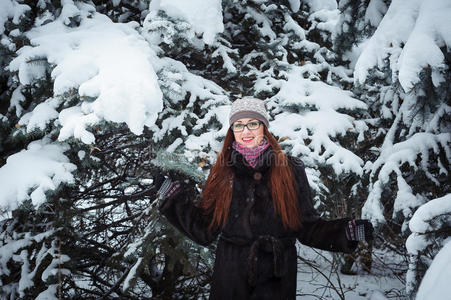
<point x="359" y="230"/>
<point x="168" y="189"/>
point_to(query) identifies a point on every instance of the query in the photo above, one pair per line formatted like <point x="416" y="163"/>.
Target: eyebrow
<point x="252" y="120"/>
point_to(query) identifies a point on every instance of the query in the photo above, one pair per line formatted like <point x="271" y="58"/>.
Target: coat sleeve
<point x="181" y="212"/>
<point x="316" y="232"/>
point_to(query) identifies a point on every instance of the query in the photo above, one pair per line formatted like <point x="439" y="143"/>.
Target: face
<point x="249" y="138"/>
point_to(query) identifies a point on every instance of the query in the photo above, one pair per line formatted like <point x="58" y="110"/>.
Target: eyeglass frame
<point x="245" y="125"/>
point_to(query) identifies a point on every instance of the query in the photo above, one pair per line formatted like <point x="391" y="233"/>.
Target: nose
<point x="245" y="128"/>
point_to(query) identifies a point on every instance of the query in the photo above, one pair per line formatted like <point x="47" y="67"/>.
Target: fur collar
<point x="241" y="166"/>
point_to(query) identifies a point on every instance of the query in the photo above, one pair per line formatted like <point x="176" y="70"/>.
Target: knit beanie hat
<point x="248" y="108"/>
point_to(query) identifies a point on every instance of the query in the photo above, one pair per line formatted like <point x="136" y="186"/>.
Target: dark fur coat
<point x="256" y="256"/>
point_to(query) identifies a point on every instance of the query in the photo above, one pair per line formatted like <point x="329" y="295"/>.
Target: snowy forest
<point x="98" y="97"/>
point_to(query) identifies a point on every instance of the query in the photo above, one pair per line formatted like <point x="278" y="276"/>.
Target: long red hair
<point x="217" y="192"/>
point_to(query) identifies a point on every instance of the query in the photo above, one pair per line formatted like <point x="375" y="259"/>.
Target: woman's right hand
<point x="168" y="189"/>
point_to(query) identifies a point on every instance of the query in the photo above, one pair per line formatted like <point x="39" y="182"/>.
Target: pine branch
<point x="175" y="163"/>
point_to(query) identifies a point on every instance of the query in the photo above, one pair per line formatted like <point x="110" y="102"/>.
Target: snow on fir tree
<point x="29" y="174"/>
<point x="118" y="85"/>
<point x="33" y="265"/>
<point x="414" y="43"/>
<point x="434" y="284"/>
<point x="94" y="90"/>
<point x="415" y="109"/>
<point x="110" y="67"/>
<point x="402" y="72"/>
<point x="208" y="23"/>
<point x="430" y="226"/>
<point x="287" y="59"/>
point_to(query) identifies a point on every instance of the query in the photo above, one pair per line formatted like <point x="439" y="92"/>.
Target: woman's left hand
<point x="359" y="230"/>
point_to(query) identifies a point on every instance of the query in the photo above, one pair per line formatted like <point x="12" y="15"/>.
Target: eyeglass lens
<point x="250" y="126"/>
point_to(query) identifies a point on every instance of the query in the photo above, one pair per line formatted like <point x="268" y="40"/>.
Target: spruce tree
<point x="99" y="98"/>
<point x="407" y="94"/>
<point x="103" y="236"/>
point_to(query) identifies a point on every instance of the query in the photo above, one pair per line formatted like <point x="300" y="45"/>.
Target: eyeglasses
<point x="238" y="127"/>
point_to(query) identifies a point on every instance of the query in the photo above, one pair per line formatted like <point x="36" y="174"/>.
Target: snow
<point x="55" y="266"/>
<point x="422" y="27"/>
<point x="391" y="158"/>
<point x="435" y="283"/>
<point x="131" y="274"/>
<point x="431" y="216"/>
<point x="69" y="11"/>
<point x="209" y="96"/>
<point x="11" y="9"/>
<point x="81" y="154"/>
<point x="416" y="243"/>
<point x="393" y="29"/>
<point x="325" y="19"/>
<point x="16" y="98"/>
<point x="25" y="281"/>
<point x="432" y="31"/>
<point x="49" y="293"/>
<point x="316" y="282"/>
<point x="109" y="63"/>
<point x="290" y="24"/>
<point x="393" y="155"/>
<point x="420" y="221"/>
<point x="405" y="200"/>
<point x="425" y="219"/>
<point x="300" y="91"/>
<point x="316" y="5"/>
<point x="174" y="145"/>
<point x="317" y="120"/>
<point x="42" y="115"/>
<point x="10" y="247"/>
<point x="30" y="173"/>
<point x="209" y="139"/>
<point x="264" y="24"/>
<point x="377" y="295"/>
<point x="74" y="123"/>
<point x="294" y="5"/>
<point x="223" y="52"/>
<point x="204" y="15"/>
<point x="375" y="12"/>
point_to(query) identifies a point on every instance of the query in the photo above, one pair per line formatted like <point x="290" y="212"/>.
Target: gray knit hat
<point x="248" y="108"/>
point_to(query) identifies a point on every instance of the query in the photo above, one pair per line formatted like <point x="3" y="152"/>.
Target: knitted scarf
<point x="251" y="154"/>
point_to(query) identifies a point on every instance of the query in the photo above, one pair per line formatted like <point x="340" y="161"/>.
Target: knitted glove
<point x="359" y="230"/>
<point x="168" y="189"/>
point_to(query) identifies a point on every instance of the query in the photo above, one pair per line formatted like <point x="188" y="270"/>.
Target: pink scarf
<point x="251" y="154"/>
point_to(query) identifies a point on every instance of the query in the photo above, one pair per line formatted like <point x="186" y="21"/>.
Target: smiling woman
<point x="257" y="201"/>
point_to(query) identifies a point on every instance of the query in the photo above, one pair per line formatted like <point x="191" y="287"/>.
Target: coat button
<point x="257" y="175"/>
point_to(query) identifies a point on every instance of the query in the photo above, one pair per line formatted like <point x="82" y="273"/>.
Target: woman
<point x="258" y="201"/>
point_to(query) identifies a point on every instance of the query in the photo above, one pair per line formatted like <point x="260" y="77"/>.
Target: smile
<point x="247" y="139"/>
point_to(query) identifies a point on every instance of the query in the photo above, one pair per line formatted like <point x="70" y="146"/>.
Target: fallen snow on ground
<point x="380" y="284"/>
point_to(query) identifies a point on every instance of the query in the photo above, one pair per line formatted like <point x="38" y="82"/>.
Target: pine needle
<point x="178" y="163"/>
